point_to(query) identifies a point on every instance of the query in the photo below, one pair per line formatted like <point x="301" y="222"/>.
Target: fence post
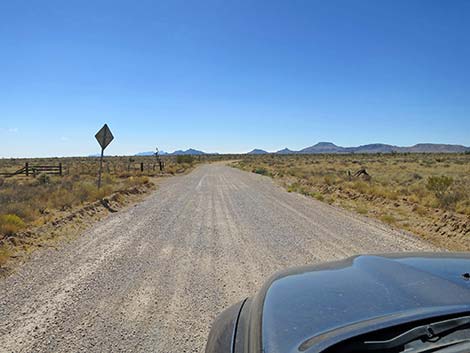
<point x="141" y="167"/>
<point x="60" y="169"/>
<point x="26" y="168"/>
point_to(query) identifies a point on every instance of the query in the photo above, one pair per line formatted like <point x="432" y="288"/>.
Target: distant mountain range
<point x="150" y="153"/>
<point x="190" y="151"/>
<point x="329" y="147"/>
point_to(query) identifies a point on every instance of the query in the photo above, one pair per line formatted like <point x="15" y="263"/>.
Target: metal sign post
<point x="157" y="157"/>
<point x="104" y="138"/>
<point x="160" y="162"/>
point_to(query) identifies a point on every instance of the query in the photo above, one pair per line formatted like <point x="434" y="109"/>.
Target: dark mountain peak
<point x="193" y="151"/>
<point x="325" y="144"/>
<point x="257" y="151"/>
<point x="150" y="153"/>
<point x="435" y="148"/>
<point x="374" y="145"/>
<point x="373" y="148"/>
<point x="285" y="151"/>
<point x="323" y="147"/>
<point x="189" y="151"/>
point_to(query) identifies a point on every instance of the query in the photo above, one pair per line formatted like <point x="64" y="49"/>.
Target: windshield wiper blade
<point x="428" y="332"/>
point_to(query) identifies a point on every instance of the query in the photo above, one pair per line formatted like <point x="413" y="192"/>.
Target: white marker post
<point x="104" y="138"/>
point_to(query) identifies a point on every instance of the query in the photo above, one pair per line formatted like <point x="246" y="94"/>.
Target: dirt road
<point x="152" y="278"/>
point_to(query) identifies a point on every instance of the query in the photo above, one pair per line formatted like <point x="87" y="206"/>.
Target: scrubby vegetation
<point x="27" y="202"/>
<point x="189" y="159"/>
<point x="428" y="194"/>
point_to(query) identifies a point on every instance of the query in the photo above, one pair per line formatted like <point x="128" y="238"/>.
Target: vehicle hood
<point x="310" y="308"/>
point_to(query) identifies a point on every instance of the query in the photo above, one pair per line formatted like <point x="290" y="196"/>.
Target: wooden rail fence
<point x="34" y="170"/>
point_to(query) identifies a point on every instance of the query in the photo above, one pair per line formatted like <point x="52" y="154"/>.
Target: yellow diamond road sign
<point x="104" y="136"/>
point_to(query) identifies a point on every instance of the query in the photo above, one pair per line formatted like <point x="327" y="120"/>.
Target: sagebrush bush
<point x="440" y="187"/>
<point x="439" y="184"/>
<point x="185" y="159"/>
<point x="388" y="219"/>
<point x="61" y="199"/>
<point x="262" y="171"/>
<point x="135" y="181"/>
<point x="84" y="191"/>
<point x="329" y="179"/>
<point x="43" y="179"/>
<point x="108" y="179"/>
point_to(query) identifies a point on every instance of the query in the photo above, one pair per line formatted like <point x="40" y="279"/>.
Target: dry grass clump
<point x="5" y="254"/>
<point x="10" y="224"/>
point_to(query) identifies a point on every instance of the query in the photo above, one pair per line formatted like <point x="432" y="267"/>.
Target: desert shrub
<point x="262" y="171"/>
<point x="389" y="219"/>
<point x="450" y="199"/>
<point x="44" y="179"/>
<point x="293" y="187"/>
<point x="171" y="169"/>
<point x="185" y="159"/>
<point x="439" y="186"/>
<point x="419" y="190"/>
<point x="318" y="196"/>
<point x="361" y="186"/>
<point x="108" y="179"/>
<point x="329" y="180"/>
<point x="10" y="224"/>
<point x="381" y="191"/>
<point x="5" y="254"/>
<point x="362" y="209"/>
<point x="66" y="183"/>
<point x="144" y="180"/>
<point x="124" y="175"/>
<point x="27" y="211"/>
<point x="101" y="193"/>
<point x="463" y="207"/>
<point x="295" y="172"/>
<point x="84" y="191"/>
<point x="138" y="180"/>
<point x="61" y="199"/>
<point x="304" y="191"/>
<point x="420" y="210"/>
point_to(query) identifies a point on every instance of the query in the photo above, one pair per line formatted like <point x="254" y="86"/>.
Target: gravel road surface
<point x="152" y="277"/>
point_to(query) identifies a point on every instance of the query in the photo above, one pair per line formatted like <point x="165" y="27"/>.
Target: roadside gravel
<point x="152" y="277"/>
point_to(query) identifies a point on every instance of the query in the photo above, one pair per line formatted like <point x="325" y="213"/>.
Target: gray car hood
<point x="311" y="308"/>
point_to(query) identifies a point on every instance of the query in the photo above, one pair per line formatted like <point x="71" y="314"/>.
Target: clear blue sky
<point x="229" y="76"/>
